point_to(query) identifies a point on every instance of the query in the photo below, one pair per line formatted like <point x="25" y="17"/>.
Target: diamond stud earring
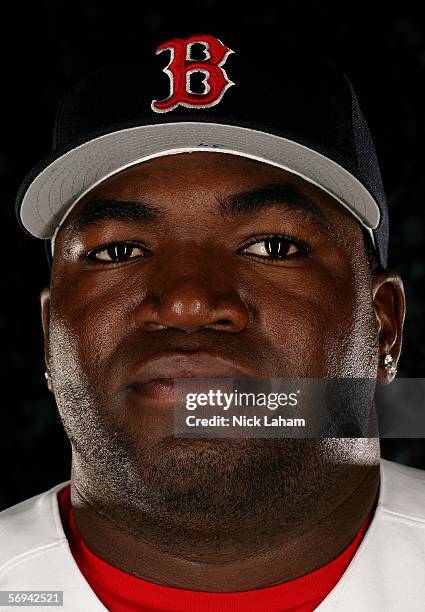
<point x="389" y="364"/>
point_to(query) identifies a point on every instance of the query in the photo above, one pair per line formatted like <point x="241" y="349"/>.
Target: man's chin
<point x="206" y="477"/>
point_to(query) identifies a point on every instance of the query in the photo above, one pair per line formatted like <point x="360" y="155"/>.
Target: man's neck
<point x="262" y="555"/>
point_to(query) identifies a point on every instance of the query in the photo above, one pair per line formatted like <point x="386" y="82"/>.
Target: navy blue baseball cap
<point x="202" y="93"/>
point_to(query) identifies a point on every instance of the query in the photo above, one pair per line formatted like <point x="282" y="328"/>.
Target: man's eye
<point x="116" y="252"/>
<point x="276" y="247"/>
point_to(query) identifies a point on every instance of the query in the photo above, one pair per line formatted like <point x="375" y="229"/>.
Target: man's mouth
<point x="155" y="377"/>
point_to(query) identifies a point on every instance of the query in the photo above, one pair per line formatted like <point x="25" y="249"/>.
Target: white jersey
<point x="387" y="573"/>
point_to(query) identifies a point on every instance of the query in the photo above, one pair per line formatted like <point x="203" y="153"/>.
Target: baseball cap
<point x="295" y="112"/>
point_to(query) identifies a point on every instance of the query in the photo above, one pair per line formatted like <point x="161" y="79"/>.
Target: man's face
<point x="198" y="275"/>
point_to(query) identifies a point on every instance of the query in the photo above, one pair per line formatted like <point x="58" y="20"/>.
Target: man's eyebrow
<point x="277" y="195"/>
<point x="97" y="210"/>
<point x="285" y="196"/>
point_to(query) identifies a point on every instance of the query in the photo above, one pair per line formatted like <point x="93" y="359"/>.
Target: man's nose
<point x="191" y="303"/>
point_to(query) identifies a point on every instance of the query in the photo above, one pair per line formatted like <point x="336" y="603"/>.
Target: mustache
<point x="247" y="351"/>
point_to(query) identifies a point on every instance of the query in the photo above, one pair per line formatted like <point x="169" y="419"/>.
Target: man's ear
<point x="45" y="321"/>
<point x="390" y="308"/>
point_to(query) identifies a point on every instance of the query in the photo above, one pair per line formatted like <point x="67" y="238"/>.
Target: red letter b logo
<point x="182" y="66"/>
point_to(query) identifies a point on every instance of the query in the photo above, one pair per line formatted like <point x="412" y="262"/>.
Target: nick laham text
<point x="243" y="421"/>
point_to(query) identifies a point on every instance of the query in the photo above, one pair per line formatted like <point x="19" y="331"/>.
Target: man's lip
<point x="172" y="365"/>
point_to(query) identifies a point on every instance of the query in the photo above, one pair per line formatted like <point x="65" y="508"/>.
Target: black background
<point x="48" y="46"/>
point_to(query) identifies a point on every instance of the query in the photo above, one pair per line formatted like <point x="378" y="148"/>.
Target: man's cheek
<point x="93" y="318"/>
<point x="297" y="331"/>
<point x="300" y="325"/>
<point x="77" y="347"/>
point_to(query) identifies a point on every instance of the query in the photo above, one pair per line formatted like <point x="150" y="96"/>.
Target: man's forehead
<point x="192" y="173"/>
<point x="188" y="185"/>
